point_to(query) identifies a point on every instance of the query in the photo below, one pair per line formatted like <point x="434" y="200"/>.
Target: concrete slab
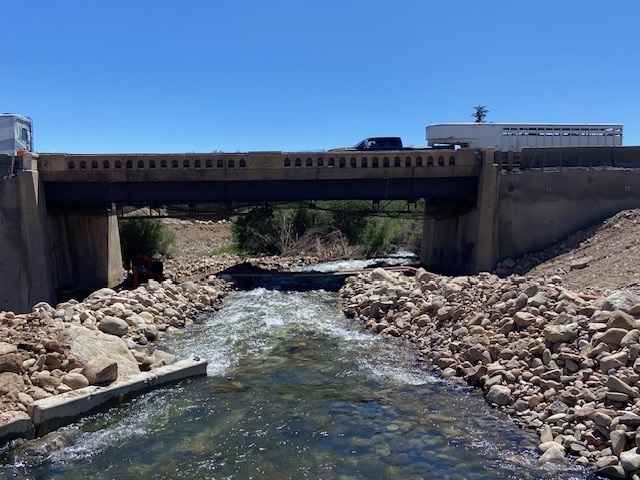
<point x="54" y="412"/>
<point x="19" y="425"/>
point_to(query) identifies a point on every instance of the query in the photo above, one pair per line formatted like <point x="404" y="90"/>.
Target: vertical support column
<point x="443" y="249"/>
<point x="114" y="270"/>
<point x="486" y="228"/>
<point x="95" y="248"/>
<point x="37" y="283"/>
<point x="43" y="252"/>
<point x="427" y="252"/>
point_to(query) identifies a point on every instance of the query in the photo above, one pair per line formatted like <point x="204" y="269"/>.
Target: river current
<point x="294" y="391"/>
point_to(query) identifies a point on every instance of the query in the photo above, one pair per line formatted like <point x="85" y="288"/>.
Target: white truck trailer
<point x="16" y="136"/>
<point x="513" y="137"/>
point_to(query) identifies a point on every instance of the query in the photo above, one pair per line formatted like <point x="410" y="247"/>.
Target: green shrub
<point x="302" y="221"/>
<point x="347" y="218"/>
<point x="377" y="236"/>
<point x="227" y="249"/>
<point x="146" y="236"/>
<point x="263" y="230"/>
<point x="256" y="232"/>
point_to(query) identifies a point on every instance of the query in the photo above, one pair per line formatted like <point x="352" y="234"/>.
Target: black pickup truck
<point x="374" y="143"/>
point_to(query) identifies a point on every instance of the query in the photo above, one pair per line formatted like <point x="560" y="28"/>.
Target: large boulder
<point x="620" y="301"/>
<point x="11" y="383"/>
<point x="560" y="333"/>
<point x="381" y="274"/>
<point x="11" y="362"/>
<point x="100" y="371"/>
<point x="114" y="326"/>
<point x="6" y="348"/>
<point x="613" y="361"/>
<point x="87" y="345"/>
<point x="620" y="319"/>
<point x="76" y="380"/>
<point x="500" y="395"/>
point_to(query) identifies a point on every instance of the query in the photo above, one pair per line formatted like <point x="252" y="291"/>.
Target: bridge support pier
<point x="92" y="257"/>
<point x="465" y="242"/>
<point x="44" y="253"/>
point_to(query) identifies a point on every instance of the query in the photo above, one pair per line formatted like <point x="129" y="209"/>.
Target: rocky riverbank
<point x="559" y="362"/>
<point x="108" y="336"/>
<point x="564" y="364"/>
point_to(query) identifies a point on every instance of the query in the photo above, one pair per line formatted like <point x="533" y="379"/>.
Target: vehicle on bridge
<point x="16" y="136"/>
<point x="513" y="137"/>
<point x="374" y="143"/>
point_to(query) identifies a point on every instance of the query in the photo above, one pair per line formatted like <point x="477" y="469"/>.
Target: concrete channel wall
<point x="44" y="416"/>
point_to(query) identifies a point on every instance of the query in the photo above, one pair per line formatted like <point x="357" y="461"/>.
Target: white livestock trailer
<point x="16" y="136"/>
<point x="513" y="137"/>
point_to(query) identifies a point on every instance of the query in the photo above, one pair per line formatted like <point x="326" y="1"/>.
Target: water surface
<point x="294" y="391"/>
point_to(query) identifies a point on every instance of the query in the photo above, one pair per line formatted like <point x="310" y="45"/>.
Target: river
<point x="294" y="391"/>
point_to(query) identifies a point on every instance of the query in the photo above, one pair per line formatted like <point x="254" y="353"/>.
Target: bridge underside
<point x="62" y="195"/>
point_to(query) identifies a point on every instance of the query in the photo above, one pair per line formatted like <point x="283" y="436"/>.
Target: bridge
<point x="75" y="180"/>
<point x="58" y="220"/>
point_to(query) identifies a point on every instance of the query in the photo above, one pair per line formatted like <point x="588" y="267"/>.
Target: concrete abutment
<point x="42" y="253"/>
<point x="466" y="241"/>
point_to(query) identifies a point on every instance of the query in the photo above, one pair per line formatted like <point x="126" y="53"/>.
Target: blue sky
<point x="200" y="76"/>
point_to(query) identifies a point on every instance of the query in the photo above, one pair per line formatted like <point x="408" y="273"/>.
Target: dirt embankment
<point x="595" y="261"/>
<point x="598" y="260"/>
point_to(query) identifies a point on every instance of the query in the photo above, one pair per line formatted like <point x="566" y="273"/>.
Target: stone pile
<point x="564" y="364"/>
<point x="180" y="271"/>
<point x="108" y="336"/>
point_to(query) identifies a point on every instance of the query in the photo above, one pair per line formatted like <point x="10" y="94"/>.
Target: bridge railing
<point x="569" y="157"/>
<point x="258" y="160"/>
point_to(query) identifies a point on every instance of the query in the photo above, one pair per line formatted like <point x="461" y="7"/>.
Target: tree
<point x="480" y="113"/>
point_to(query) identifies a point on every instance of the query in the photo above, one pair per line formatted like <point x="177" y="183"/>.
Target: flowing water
<point x="294" y="391"/>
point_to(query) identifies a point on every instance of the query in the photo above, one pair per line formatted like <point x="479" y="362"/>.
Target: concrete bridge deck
<point x="71" y="180"/>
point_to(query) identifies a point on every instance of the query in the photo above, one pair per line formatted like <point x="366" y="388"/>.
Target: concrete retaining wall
<point x="540" y="208"/>
<point x="42" y="253"/>
<point x="13" y="280"/>
<point x="26" y="268"/>
<point x="54" y="412"/>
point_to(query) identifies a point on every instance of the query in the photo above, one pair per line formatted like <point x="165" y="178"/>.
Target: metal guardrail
<point x="569" y="157"/>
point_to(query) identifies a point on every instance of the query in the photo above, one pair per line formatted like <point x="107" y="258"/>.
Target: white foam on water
<point x="397" y="258"/>
<point x="146" y="416"/>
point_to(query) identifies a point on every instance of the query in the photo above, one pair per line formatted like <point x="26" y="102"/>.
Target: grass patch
<point x="225" y="250"/>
